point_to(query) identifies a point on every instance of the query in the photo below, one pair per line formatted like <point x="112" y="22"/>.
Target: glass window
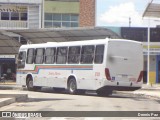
<point x="66" y="24"/>
<point x="39" y="55"/>
<point x="48" y="24"/>
<point x="99" y="54"/>
<point x="30" y="56"/>
<point x="57" y="17"/>
<point x="57" y="24"/>
<point x="50" y="55"/>
<point x="65" y="17"/>
<point x="23" y="16"/>
<point x="87" y="54"/>
<point x="21" y="59"/>
<point x="14" y="16"/>
<point x="74" y="24"/>
<point x="74" y="54"/>
<point x="74" y="17"/>
<point x="61" y="55"/>
<point x="4" y="15"/>
<point x="48" y="16"/>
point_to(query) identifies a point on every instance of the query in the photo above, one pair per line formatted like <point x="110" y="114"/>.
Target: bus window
<point x="21" y="59"/>
<point x="50" y="55"/>
<point x="61" y="55"/>
<point x="74" y="55"/>
<point x="87" y="54"/>
<point x="30" y="56"/>
<point x="39" y="55"/>
<point x="99" y="54"/>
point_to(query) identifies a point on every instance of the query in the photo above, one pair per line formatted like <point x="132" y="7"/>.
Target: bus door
<point x="20" y="66"/>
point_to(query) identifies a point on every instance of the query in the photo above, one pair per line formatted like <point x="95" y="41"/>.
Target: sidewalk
<point x="149" y="90"/>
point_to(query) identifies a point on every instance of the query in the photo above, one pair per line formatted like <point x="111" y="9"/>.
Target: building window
<point x="55" y="20"/>
<point x="4" y="15"/>
<point x="23" y="16"/>
<point x="56" y="17"/>
<point x="14" y="16"/>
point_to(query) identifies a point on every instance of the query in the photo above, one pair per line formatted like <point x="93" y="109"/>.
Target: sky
<point x="117" y="13"/>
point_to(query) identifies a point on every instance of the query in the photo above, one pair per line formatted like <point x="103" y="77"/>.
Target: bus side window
<point x="50" y="55"/>
<point x="74" y="55"/>
<point x="87" y="54"/>
<point x="30" y="55"/>
<point x="61" y="55"/>
<point x="21" y="59"/>
<point x="99" y="54"/>
<point x="39" y="55"/>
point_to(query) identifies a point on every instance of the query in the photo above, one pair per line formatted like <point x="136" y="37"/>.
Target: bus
<point x="101" y="65"/>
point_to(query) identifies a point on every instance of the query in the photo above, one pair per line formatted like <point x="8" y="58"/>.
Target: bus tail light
<point x="140" y="76"/>
<point x="107" y="73"/>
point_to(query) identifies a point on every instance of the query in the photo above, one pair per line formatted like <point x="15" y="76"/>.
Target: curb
<point x="6" y="101"/>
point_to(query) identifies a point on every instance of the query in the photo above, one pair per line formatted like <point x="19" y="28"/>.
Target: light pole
<point x="148" y="55"/>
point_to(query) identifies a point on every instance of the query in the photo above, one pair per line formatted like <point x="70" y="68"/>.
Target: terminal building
<point x="35" y="14"/>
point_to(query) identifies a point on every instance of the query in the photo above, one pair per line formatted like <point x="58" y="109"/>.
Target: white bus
<point x="101" y="65"/>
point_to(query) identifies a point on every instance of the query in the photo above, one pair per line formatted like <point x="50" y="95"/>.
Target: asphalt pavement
<point x="7" y="98"/>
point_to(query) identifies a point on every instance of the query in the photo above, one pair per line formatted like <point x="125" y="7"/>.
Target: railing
<point x="13" y="24"/>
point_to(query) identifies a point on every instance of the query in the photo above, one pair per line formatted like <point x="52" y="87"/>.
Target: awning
<point x="8" y="45"/>
<point x="152" y="10"/>
<point x="63" y="35"/>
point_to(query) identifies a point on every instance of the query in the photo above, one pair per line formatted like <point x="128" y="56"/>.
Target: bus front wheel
<point x="72" y="86"/>
<point x="30" y="84"/>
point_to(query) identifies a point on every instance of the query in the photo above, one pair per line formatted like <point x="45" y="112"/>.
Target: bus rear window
<point x="99" y="53"/>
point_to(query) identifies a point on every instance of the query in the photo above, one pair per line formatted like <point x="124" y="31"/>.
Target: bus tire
<point x="72" y="86"/>
<point x="30" y="86"/>
<point x="103" y="93"/>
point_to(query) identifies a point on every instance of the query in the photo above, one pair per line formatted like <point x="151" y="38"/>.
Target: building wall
<point x="87" y="13"/>
<point x="61" y="7"/>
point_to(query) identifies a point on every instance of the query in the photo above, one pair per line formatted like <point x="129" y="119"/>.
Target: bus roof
<point x="73" y="43"/>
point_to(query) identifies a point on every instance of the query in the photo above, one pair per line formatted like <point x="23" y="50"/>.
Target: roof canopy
<point x="9" y="45"/>
<point x="152" y="10"/>
<point x="63" y="35"/>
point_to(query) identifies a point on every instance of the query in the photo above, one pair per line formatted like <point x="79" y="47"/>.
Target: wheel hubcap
<point x="30" y="84"/>
<point x="72" y="86"/>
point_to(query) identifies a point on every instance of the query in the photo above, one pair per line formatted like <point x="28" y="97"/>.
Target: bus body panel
<point x="123" y="58"/>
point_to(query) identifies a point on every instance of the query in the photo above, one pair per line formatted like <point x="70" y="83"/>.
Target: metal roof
<point x="152" y="10"/>
<point x="8" y="45"/>
<point x="64" y="35"/>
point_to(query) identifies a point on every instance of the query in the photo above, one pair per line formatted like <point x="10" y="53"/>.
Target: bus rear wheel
<point x="72" y="86"/>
